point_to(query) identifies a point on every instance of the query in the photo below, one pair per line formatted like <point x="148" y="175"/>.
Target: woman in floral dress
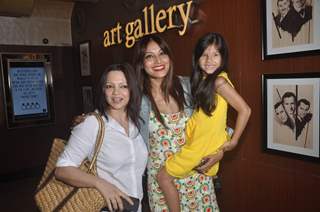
<point x="165" y="109"/>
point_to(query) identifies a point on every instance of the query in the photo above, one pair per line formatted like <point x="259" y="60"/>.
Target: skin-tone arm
<point x="169" y="189"/>
<point x="243" y="111"/>
<point x="76" y="177"/>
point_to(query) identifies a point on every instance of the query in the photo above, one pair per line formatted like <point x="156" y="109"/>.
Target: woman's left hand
<point x="208" y="161"/>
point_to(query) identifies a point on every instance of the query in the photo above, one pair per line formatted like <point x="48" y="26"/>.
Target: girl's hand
<point x="208" y="161"/>
<point x="78" y="119"/>
<point x="112" y="195"/>
<point x="228" y="145"/>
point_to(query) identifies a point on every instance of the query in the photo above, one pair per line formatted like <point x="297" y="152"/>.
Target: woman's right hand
<point x="113" y="196"/>
<point x="74" y="176"/>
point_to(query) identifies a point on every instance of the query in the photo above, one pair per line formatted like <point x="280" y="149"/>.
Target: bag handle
<point x="99" y="139"/>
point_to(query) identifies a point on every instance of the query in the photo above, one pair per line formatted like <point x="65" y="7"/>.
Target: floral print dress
<point x="196" y="191"/>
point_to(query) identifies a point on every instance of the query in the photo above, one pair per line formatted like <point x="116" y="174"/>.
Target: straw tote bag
<point x="55" y="195"/>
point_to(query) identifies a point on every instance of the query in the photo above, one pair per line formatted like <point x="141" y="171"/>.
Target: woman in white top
<point x="123" y="155"/>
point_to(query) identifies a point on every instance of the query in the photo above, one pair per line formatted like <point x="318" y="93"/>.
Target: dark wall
<point x="24" y="151"/>
<point x="89" y="21"/>
<point x="252" y="180"/>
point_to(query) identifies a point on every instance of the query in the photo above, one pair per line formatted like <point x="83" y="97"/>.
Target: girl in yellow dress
<point x="206" y="133"/>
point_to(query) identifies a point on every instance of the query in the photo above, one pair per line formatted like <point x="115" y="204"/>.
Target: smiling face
<point x="289" y="105"/>
<point x="302" y="110"/>
<point x="156" y="62"/>
<point x="116" y="91"/>
<point x="210" y="60"/>
<point x="298" y="4"/>
<point x="281" y="114"/>
<point x="283" y="7"/>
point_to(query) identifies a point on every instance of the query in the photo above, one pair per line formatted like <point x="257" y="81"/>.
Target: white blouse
<point x="122" y="159"/>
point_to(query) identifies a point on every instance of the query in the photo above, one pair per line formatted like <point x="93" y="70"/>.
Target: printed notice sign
<point x="28" y="90"/>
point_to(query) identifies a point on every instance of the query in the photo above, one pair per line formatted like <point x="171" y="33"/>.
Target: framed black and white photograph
<point x="87" y="99"/>
<point x="290" y="28"/>
<point x="291" y="113"/>
<point x="85" y="65"/>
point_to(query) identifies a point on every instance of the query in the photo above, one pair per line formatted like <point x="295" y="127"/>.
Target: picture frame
<point x="28" y="89"/>
<point x="291" y="114"/>
<point x="87" y="99"/>
<point x="85" y="58"/>
<point x="287" y="32"/>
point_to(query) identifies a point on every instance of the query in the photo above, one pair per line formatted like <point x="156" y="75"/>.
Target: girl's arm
<point x="234" y="99"/>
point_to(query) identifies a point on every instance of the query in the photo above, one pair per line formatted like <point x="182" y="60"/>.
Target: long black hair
<point x="202" y="87"/>
<point x="134" y="103"/>
<point x="170" y="85"/>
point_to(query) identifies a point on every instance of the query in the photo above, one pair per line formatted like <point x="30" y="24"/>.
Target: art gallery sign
<point x="151" y="22"/>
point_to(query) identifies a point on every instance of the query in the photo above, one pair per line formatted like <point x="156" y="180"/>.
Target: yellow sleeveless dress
<point x="204" y="135"/>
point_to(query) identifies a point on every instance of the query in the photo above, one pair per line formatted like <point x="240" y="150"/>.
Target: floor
<point x="18" y="195"/>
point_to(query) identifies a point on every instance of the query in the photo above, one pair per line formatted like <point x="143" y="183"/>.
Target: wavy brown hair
<point x="170" y="86"/>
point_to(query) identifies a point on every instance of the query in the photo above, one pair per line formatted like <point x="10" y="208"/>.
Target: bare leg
<point x="169" y="190"/>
